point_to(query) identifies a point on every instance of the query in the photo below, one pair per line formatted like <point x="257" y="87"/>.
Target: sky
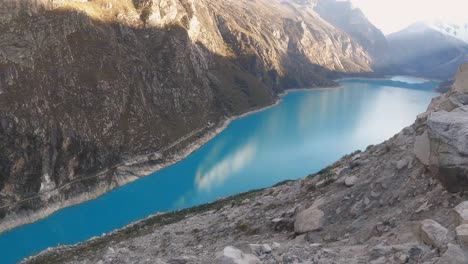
<point x="393" y="15"/>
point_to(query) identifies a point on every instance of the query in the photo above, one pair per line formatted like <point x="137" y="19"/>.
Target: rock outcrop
<point x="231" y="255"/>
<point x="309" y="220"/>
<point x="461" y="80"/>
<point x="432" y="233"/>
<point x="443" y="147"/>
<point x="462" y="213"/>
<point x="94" y="94"/>
<point x="393" y="213"/>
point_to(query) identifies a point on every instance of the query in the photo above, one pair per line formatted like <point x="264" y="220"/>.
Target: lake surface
<point x="306" y="132"/>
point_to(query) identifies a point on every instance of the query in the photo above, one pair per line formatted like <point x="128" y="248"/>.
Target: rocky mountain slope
<point x="402" y="201"/>
<point x="95" y="93"/>
<point x="352" y="20"/>
<point x="422" y="50"/>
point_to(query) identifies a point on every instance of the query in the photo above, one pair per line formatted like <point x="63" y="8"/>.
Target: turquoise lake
<point x="306" y="132"/>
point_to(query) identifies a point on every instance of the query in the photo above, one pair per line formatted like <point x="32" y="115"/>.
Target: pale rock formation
<point x="434" y="234"/>
<point x="231" y="255"/>
<point x="461" y="212"/>
<point x="308" y="220"/>
<point x="453" y="255"/>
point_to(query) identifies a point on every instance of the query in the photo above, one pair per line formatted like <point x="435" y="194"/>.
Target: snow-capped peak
<point x="456" y="30"/>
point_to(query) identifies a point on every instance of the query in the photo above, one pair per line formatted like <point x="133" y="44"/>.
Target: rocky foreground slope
<point x="92" y="91"/>
<point x="401" y="201"/>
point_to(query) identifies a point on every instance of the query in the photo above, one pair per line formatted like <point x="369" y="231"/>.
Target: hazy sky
<point x="394" y="15"/>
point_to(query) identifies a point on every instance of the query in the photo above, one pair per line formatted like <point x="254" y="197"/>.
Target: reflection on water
<point x="408" y="79"/>
<point x="308" y="131"/>
<point x="218" y="174"/>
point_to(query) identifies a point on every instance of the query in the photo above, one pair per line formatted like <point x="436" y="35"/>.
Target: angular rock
<point x="350" y="180"/>
<point x="260" y="249"/>
<point x="432" y="233"/>
<point x="232" y="255"/>
<point x="461" y="212"/>
<point x="448" y="133"/>
<point x="443" y="103"/>
<point x="461" y="79"/>
<point x="180" y="260"/>
<point x="451" y="128"/>
<point x="462" y="110"/>
<point x="453" y="255"/>
<point x="462" y="234"/>
<point x="311" y="219"/>
<point x="401" y="164"/>
<point x="403" y="258"/>
<point x="422" y="148"/>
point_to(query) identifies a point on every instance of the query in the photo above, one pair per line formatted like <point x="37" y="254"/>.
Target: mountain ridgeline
<point x="432" y="50"/>
<point x="87" y="87"/>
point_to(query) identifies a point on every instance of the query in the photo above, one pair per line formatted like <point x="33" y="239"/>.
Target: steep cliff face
<point x="86" y="85"/>
<point x="353" y="21"/>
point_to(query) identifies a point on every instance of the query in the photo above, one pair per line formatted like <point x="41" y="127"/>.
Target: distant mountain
<point x="343" y="15"/>
<point x="434" y="49"/>
<point x="459" y="31"/>
<point x="422" y="50"/>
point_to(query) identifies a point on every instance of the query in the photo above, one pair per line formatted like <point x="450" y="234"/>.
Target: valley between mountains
<point x="96" y="94"/>
<point x="88" y="85"/>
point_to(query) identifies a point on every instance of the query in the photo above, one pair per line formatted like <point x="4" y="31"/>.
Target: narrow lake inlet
<point x="306" y="132"/>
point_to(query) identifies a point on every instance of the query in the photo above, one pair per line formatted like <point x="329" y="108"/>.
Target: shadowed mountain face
<point x="85" y="85"/>
<point x="422" y="50"/>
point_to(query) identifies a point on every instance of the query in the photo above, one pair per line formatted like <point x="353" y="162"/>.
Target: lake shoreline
<point x="387" y="78"/>
<point x="295" y="90"/>
<point x="132" y="169"/>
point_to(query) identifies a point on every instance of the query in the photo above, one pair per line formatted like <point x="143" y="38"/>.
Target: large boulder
<point x="422" y="148"/>
<point x="311" y="219"/>
<point x="444" y="102"/>
<point x="232" y="255"/>
<point x="453" y="255"/>
<point x="461" y="212"/>
<point x="350" y="180"/>
<point x="462" y="234"/>
<point x="461" y="79"/>
<point x="444" y="146"/>
<point x="448" y="133"/>
<point x="432" y="233"/>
